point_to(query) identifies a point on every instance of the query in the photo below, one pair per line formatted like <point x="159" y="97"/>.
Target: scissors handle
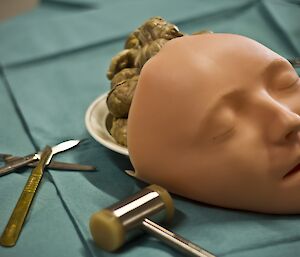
<point x="14" y="226"/>
<point x="19" y="163"/>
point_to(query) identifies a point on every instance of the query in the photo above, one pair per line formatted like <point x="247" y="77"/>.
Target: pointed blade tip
<point x="65" y="146"/>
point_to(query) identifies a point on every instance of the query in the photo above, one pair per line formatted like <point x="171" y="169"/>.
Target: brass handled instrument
<point x="13" y="228"/>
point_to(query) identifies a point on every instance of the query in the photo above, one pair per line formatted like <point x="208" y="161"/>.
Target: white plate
<point x="96" y="124"/>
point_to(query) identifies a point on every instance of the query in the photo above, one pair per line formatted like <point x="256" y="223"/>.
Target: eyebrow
<point x="274" y="67"/>
<point x="233" y="98"/>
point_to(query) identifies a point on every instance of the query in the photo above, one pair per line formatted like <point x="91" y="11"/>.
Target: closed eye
<point x="224" y="135"/>
<point x="295" y="83"/>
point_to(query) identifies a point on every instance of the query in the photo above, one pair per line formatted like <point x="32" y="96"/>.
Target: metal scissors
<point x="14" y="162"/>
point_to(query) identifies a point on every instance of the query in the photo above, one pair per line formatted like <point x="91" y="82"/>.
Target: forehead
<point x="212" y="64"/>
<point x="213" y="55"/>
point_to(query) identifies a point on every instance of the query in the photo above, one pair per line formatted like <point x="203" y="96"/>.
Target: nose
<point x="285" y="124"/>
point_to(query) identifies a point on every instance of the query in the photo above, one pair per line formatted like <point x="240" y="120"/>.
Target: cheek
<point x="294" y="102"/>
<point x="234" y="175"/>
<point x="242" y="163"/>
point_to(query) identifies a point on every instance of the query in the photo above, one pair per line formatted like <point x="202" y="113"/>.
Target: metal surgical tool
<point x="14" y="162"/>
<point x="14" y="226"/>
<point x="113" y="226"/>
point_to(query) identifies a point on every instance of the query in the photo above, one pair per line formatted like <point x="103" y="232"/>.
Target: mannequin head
<point x="215" y="118"/>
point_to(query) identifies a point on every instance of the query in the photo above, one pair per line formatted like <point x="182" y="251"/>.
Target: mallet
<point x="113" y="226"/>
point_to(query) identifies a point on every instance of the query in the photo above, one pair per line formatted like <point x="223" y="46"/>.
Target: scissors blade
<point x="11" y="166"/>
<point x="65" y="166"/>
<point x="56" y="165"/>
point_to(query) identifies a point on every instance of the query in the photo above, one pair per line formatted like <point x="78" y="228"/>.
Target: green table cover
<point x="53" y="62"/>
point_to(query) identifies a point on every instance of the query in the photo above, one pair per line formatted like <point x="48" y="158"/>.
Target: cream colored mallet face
<point x="215" y="118"/>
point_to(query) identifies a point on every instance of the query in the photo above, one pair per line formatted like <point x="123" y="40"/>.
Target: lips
<point x="293" y="171"/>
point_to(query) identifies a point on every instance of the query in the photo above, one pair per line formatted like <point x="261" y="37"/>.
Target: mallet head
<point x="113" y="226"/>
